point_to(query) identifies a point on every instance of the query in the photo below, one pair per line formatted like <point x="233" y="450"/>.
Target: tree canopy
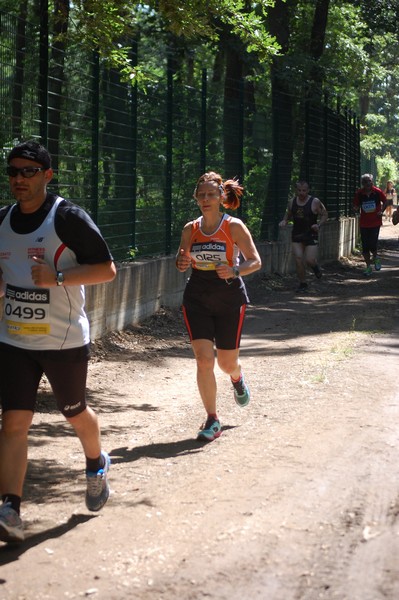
<point x="350" y="48"/>
<point x="345" y="48"/>
<point x="265" y="62"/>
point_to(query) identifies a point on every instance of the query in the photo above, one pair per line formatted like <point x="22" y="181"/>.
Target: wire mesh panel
<point x="187" y="125"/>
<point x="69" y="127"/>
<point x="131" y="156"/>
<point x="19" y="70"/>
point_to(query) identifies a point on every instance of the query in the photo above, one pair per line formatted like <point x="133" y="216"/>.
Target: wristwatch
<point x="59" y="278"/>
<point x="236" y="272"/>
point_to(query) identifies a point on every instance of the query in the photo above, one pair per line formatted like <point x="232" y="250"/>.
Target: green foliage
<point x="387" y="169"/>
<point x="372" y="144"/>
<point x="255" y="195"/>
<point x="379" y="100"/>
<point x="345" y="59"/>
<point x="382" y="14"/>
<point x="359" y="65"/>
<point x="375" y="121"/>
<point x="132" y="253"/>
<point x="203" y="18"/>
<point x="250" y="28"/>
<point x="107" y="26"/>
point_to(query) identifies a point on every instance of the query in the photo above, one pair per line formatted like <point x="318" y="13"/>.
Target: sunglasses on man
<point x="26" y="172"/>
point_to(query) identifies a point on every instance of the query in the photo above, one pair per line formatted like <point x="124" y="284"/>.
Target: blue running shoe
<point x="303" y="287"/>
<point x="377" y="264"/>
<point x="368" y="271"/>
<point x="210" y="430"/>
<point x="317" y="271"/>
<point x="11" y="528"/>
<point x="97" y="491"/>
<point x="242" y="395"/>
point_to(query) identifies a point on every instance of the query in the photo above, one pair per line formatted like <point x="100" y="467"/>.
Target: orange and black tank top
<point x="208" y="250"/>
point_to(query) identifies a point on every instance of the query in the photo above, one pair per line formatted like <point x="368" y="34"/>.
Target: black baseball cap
<point x="31" y="150"/>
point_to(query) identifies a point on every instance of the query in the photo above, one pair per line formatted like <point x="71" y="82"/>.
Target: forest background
<point x="237" y="62"/>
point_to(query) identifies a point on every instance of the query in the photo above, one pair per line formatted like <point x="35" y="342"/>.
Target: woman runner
<point x="215" y="297"/>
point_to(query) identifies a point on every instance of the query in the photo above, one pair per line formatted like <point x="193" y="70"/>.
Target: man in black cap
<point x="49" y="249"/>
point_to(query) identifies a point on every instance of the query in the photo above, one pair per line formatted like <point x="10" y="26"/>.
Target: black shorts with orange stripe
<point x="214" y="309"/>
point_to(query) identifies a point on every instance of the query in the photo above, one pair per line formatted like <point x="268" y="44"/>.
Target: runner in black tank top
<point x="304" y="211"/>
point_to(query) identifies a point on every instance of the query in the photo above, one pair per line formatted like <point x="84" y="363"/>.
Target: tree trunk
<point x="280" y="176"/>
<point x="232" y="114"/>
<point x="312" y="167"/>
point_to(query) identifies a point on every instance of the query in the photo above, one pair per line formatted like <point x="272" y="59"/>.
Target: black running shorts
<point x="21" y="371"/>
<point x="222" y="329"/>
<point x="214" y="309"/>
<point x="369" y="237"/>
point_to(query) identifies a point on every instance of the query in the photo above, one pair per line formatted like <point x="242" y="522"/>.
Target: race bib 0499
<point x="27" y="311"/>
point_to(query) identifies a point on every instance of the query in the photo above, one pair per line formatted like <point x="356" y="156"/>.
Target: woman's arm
<point x="243" y="239"/>
<point x="183" y="258"/>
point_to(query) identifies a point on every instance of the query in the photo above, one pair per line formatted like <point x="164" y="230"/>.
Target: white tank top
<point x="38" y="318"/>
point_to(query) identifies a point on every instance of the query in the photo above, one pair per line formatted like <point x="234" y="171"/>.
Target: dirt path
<point x="298" y="500"/>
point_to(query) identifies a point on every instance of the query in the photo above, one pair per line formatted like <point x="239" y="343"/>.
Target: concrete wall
<point x="336" y="239"/>
<point x="141" y="288"/>
<point x="138" y="291"/>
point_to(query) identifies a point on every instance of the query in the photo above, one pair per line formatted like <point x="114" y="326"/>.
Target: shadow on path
<point x="11" y="552"/>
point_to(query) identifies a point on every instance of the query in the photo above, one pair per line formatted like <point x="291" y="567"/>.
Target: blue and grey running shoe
<point x="210" y="430"/>
<point x="242" y="395"/>
<point x="97" y="491"/>
<point x="11" y="528"/>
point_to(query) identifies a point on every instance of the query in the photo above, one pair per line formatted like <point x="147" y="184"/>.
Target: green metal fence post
<point x="133" y="116"/>
<point x="95" y="128"/>
<point x="338" y="174"/>
<point x="169" y="156"/>
<point x="306" y="174"/>
<point x="240" y="135"/>
<point x="346" y="159"/>
<point x="204" y="94"/>
<point x="358" y="157"/>
<point x="355" y="155"/>
<point x="43" y="71"/>
<point x="326" y="149"/>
